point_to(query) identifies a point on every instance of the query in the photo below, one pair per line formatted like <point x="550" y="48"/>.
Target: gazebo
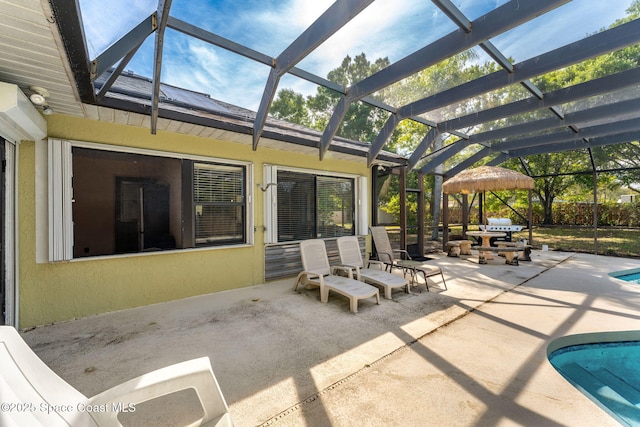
<point x="481" y="180"/>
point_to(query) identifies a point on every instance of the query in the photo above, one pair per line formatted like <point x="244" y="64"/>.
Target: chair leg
<point x="353" y="302"/>
<point x="443" y="282"/>
<point x="324" y="294"/>
<point x="426" y="281"/>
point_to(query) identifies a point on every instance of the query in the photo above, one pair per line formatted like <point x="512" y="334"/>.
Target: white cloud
<point x="386" y="28"/>
<point x="204" y="68"/>
<point x="381" y="30"/>
<point x="106" y="23"/>
<point x="565" y="25"/>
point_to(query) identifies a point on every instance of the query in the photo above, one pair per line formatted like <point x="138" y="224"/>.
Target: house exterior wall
<point x="58" y="291"/>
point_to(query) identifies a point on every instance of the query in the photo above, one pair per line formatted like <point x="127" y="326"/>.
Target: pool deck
<point x="472" y="355"/>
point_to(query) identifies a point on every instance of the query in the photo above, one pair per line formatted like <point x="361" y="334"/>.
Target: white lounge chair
<point x="386" y="254"/>
<point x="350" y="256"/>
<point x="318" y="272"/>
<point x="34" y="395"/>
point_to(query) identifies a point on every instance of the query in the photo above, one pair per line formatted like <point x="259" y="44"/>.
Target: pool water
<point x="632" y="275"/>
<point x="608" y="372"/>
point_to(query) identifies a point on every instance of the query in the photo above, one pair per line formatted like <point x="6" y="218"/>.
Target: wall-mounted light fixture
<point x="39" y="95"/>
<point x="39" y="98"/>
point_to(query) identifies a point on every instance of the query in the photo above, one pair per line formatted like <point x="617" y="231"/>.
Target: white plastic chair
<point x="39" y="397"/>
<point x="318" y="272"/>
<point x="350" y="256"/>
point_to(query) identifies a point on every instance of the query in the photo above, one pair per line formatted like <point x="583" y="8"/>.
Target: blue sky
<point x="387" y="28"/>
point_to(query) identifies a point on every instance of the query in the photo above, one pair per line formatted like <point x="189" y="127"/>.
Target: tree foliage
<point x="291" y="106"/>
<point x="551" y="186"/>
<point x="557" y="173"/>
<point x="362" y="122"/>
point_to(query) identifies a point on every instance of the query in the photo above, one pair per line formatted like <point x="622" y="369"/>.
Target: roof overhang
<point x="19" y="119"/>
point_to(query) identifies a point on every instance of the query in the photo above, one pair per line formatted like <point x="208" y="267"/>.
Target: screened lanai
<point x="451" y="85"/>
<point x="250" y="93"/>
<point x="445" y="86"/>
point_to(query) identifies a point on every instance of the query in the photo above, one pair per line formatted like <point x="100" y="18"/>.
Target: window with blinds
<point x="105" y="201"/>
<point x="314" y="206"/>
<point x="219" y="203"/>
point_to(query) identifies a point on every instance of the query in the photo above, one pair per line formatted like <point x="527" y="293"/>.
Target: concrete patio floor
<point x="471" y="355"/>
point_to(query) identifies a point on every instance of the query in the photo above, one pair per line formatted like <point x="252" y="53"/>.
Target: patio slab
<point x="474" y="354"/>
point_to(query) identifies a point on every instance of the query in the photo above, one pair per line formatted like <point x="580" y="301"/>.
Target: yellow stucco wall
<point x="52" y="292"/>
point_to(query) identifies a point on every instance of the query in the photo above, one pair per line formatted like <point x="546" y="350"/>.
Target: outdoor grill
<point x="501" y="224"/>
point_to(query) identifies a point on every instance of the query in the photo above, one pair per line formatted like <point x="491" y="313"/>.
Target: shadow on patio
<point x="471" y="355"/>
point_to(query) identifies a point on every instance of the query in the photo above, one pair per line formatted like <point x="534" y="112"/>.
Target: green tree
<point x="551" y="185"/>
<point x="446" y="74"/>
<point x="624" y="159"/>
<point x="290" y="106"/>
<point x="362" y="122"/>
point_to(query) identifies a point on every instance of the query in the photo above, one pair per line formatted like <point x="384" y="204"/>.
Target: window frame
<point x="60" y="196"/>
<point x="360" y="190"/>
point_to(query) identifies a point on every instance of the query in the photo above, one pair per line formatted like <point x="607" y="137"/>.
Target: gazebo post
<point x="403" y="208"/>
<point x="445" y="221"/>
<point x="421" y="215"/>
<point x="595" y="211"/>
<point x="530" y="218"/>
<point x="465" y="215"/>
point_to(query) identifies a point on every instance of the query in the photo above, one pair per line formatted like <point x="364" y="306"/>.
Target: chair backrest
<point x="349" y="250"/>
<point x="314" y="257"/>
<point x="43" y="397"/>
<point x="382" y="243"/>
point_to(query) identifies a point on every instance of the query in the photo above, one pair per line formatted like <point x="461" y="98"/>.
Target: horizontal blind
<point x="314" y="206"/>
<point x="335" y="205"/>
<point x="296" y="206"/>
<point x="219" y="203"/>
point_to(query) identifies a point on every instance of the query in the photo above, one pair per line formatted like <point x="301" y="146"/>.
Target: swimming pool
<point x="632" y="275"/>
<point x="605" y="367"/>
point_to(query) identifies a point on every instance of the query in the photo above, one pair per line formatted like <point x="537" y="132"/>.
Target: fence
<point x="609" y="214"/>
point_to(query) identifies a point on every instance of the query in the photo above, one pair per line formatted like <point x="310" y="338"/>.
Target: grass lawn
<point x="623" y="242"/>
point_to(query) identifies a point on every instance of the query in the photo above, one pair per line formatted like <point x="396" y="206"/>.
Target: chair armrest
<point x="346" y="268"/>
<point x="403" y="252"/>
<point x="378" y="264"/>
<point x="193" y="374"/>
<point x="304" y="276"/>
<point x="386" y="255"/>
<point x="351" y="268"/>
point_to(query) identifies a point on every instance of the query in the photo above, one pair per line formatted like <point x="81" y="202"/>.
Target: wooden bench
<point x="525" y="250"/>
<point x="456" y="248"/>
<point x="510" y="254"/>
